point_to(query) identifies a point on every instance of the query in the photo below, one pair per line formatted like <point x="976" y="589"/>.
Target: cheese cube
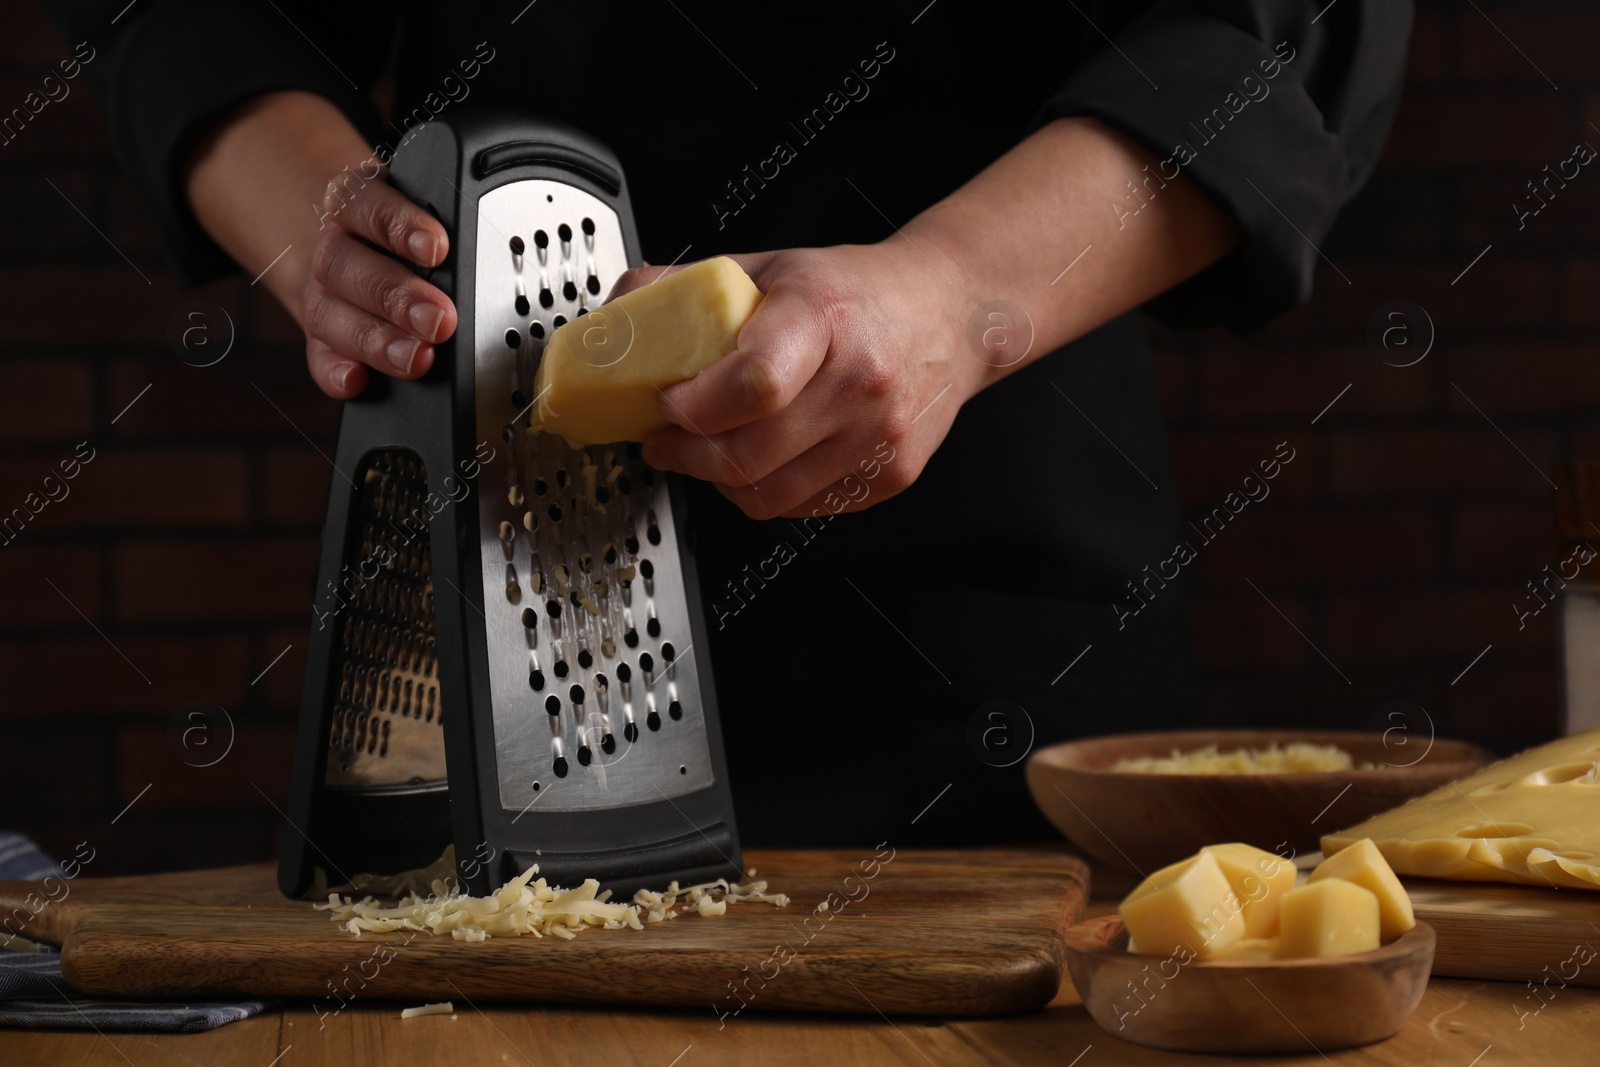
<point x="1328" y="918"/>
<point x="1364" y="865"/>
<point x="1252" y="949"/>
<point x="1259" y="879"/>
<point x="602" y="374"/>
<point x="1188" y="906"/>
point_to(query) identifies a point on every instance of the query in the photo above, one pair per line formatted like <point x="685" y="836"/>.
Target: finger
<point x="805" y="484"/>
<point x="361" y="336"/>
<point x="356" y="273"/>
<point x="778" y="352"/>
<point x="335" y="375"/>
<point x="383" y="215"/>
<point x="745" y="455"/>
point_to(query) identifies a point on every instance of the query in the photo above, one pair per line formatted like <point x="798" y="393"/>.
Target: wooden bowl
<point x="1141" y="822"/>
<point x="1306" y="1005"/>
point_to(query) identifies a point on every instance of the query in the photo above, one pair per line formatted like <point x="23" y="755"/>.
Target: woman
<point x="953" y="210"/>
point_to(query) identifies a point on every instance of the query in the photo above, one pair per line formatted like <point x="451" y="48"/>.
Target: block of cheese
<point x="601" y="374"/>
<point x="1259" y="879"/>
<point x="1251" y="949"/>
<point x="1533" y="818"/>
<point x="1187" y="907"/>
<point x="1327" y="918"/>
<point x="1364" y="865"/>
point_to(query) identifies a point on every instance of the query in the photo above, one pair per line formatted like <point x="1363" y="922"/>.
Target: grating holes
<point x="541" y="239"/>
<point x="517" y="247"/>
<point x="631" y="638"/>
<point x="535" y="787"/>
<point x="576" y="693"/>
<point x="530" y="618"/>
<point x="582" y="312"/>
<point x="576" y="598"/>
<point x="647" y="663"/>
<point x="653" y="720"/>
<point x="569" y="291"/>
<point x="647" y="569"/>
<point x="675" y="709"/>
<point x="593" y="285"/>
<point x="552" y="704"/>
<point x="584" y="755"/>
<point x="561" y="668"/>
<point x="553" y="608"/>
<point x="608" y="744"/>
<point x="601" y="683"/>
<point x="523" y="306"/>
<point x="624" y="673"/>
<point x="559" y="321"/>
<point x="513" y="339"/>
<point x="564" y="232"/>
<point x="560" y="767"/>
<point x="602" y="495"/>
<point x="539" y="487"/>
<point x="632" y="545"/>
<point x="630" y="732"/>
<point x="536" y="330"/>
<point x="653" y="534"/>
<point x="554" y="511"/>
<point x="585" y="562"/>
<point x="653" y="628"/>
<point x="588" y="227"/>
<point x="682" y="769"/>
<point x="611" y="553"/>
<point x="547" y="299"/>
<point x="668" y="653"/>
<point x="585" y="660"/>
<point x="536" y="680"/>
<point x="561" y="477"/>
<point x="647" y="476"/>
<point x="625" y="487"/>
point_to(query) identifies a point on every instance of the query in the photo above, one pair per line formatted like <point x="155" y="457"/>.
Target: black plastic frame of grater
<point x="447" y="165"/>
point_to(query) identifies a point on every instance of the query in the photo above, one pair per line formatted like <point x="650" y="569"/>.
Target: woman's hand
<point x="362" y="309"/>
<point x="843" y="383"/>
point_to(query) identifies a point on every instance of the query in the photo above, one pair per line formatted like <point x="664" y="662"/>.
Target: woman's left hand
<point x="843" y="383"/>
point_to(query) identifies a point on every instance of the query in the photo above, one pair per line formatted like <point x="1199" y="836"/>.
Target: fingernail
<point x="425" y="320"/>
<point x="341" y="375"/>
<point x="424" y="248"/>
<point x="651" y="456"/>
<point x="402" y="352"/>
<point x="670" y="407"/>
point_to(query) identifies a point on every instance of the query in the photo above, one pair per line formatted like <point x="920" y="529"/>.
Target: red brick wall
<point x="1396" y="543"/>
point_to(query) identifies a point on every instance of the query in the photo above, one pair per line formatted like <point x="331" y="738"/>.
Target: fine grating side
<point x="596" y="697"/>
<point x="386" y="717"/>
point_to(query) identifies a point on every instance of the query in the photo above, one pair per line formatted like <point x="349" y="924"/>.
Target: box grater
<point x="507" y="651"/>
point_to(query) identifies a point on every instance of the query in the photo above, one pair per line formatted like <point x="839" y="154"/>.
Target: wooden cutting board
<point x="931" y="933"/>
<point x="1514" y="933"/>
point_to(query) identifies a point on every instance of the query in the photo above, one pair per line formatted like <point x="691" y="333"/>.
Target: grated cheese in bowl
<point x="529" y="905"/>
<point x="1299" y="757"/>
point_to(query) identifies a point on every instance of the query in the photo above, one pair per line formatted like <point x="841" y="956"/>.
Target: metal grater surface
<point x="595" y="693"/>
<point x="386" y="715"/>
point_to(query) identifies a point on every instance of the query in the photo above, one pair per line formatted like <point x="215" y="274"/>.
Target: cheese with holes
<point x="1364" y="865"/>
<point x="1187" y="907"/>
<point x="1327" y="918"/>
<point x="1533" y="818"/>
<point x="1259" y="879"/>
<point x="601" y="375"/>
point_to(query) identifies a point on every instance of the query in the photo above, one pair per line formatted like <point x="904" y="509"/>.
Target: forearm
<point x="1011" y="232"/>
<point x="256" y="181"/>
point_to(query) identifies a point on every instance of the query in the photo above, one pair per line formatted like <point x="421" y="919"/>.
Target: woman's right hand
<point x="361" y="308"/>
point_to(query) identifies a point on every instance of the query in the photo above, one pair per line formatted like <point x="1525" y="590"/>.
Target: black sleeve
<point x="166" y="70"/>
<point x="1277" y="110"/>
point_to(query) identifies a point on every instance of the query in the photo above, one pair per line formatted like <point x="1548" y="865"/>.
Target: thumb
<point x="638" y="277"/>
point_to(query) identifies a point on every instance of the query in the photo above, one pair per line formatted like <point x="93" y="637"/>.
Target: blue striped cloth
<point x="33" y="993"/>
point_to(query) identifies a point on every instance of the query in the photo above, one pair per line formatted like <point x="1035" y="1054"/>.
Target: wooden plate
<point x="1309" y="1005"/>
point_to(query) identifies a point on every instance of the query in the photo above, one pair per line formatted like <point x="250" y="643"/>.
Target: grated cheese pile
<point x="526" y="905"/>
<point x="1299" y="757"/>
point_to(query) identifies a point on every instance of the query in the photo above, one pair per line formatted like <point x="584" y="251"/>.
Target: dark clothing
<point x="745" y="129"/>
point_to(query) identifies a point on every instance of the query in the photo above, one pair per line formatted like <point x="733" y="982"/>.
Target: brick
<point x="213" y="581"/>
<point x="1513" y="542"/>
<point x="260" y="755"/>
<point x="141" y="489"/>
<point x="294" y="488"/>
<point x="1477" y="127"/>
<point x="1500" y="208"/>
<point x="30" y="41"/>
<point x="1278" y="381"/>
<point x="279" y="689"/>
<point x="129" y="225"/>
<point x="1445" y="627"/>
<point x="271" y="325"/>
<point x="28" y="566"/>
<point x="38" y="785"/>
<point x="1248" y="634"/>
<point x="1318" y="548"/>
<point x="85" y="675"/>
<point x="1431" y="57"/>
<point x="107" y="303"/>
<point x="1530" y="378"/>
<point x="1442" y="463"/>
<point x="1172" y="381"/>
<point x="46" y="400"/>
<point x="1558" y="43"/>
<point x="140" y="845"/>
<point x="246" y="395"/>
<point x="1503" y="290"/>
<point x="73" y="126"/>
<point x="41" y="220"/>
<point x="1318" y="697"/>
<point x="1395" y="211"/>
<point x="1581" y="283"/>
<point x="1211" y="465"/>
<point x="1505" y="706"/>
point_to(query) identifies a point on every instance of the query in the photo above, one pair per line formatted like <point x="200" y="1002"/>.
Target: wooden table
<point x="1459" y="1024"/>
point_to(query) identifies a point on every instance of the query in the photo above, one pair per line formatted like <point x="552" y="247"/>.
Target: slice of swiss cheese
<point x="1533" y="819"/>
<point x="601" y="375"/>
